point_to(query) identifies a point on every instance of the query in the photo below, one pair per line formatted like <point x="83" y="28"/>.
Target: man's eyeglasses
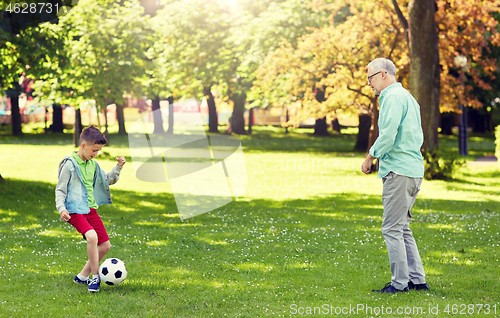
<point x="370" y="77"/>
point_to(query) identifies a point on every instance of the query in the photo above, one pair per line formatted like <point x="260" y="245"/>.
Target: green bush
<point x="497" y="142"/>
<point x="440" y="165"/>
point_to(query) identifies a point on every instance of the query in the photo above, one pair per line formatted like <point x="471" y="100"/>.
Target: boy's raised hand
<point x="121" y="161"/>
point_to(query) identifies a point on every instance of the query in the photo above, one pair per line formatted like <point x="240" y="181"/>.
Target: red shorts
<point x="86" y="222"/>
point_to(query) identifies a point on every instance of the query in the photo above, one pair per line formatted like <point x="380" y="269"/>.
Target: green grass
<point x="306" y="232"/>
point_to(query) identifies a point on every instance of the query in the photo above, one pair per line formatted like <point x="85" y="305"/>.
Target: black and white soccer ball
<point x="112" y="271"/>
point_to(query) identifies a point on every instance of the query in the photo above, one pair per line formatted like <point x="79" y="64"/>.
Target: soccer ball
<point x="112" y="271"/>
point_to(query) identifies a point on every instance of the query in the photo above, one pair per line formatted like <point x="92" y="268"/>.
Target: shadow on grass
<point x="34" y="201"/>
<point x="485" y="175"/>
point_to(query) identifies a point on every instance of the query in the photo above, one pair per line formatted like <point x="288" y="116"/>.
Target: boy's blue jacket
<point x="71" y="193"/>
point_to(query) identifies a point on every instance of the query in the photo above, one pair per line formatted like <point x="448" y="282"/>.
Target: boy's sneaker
<point x="423" y="286"/>
<point x="94" y="285"/>
<point x="79" y="281"/>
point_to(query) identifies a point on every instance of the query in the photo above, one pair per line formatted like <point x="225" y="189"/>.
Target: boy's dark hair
<point x="92" y="135"/>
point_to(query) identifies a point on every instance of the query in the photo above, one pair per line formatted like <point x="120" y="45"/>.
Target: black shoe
<point x="423" y="286"/>
<point x="388" y="288"/>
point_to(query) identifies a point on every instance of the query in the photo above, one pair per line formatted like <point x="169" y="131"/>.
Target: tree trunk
<point x="212" y="111"/>
<point x="120" y="117"/>
<point x="447" y="122"/>
<point x="15" y="115"/>
<point x="478" y="120"/>
<point x="320" y="127"/>
<point x="77" y="128"/>
<point x="238" y="119"/>
<point x="250" y="120"/>
<point x="424" y="66"/>
<point x="106" y="132"/>
<point x="57" y="118"/>
<point x="373" y="130"/>
<point x="1" y="179"/>
<point x="374" y="126"/>
<point x="362" y="141"/>
<point x="336" y="125"/>
<point x="45" y="119"/>
<point x="157" y="118"/>
<point x="287" y="119"/>
<point x="170" y="115"/>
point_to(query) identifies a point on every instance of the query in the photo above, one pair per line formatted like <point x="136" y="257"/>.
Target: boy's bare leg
<point x="95" y="253"/>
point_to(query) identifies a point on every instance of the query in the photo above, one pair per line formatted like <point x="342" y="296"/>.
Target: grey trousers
<point x="398" y="196"/>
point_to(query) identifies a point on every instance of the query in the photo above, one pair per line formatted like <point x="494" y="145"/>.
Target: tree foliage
<point x="107" y="49"/>
<point x="469" y="28"/>
<point x="331" y="62"/>
<point x="334" y="58"/>
<point x="191" y="38"/>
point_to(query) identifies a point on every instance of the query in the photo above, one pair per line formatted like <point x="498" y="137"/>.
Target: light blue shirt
<point x="400" y="134"/>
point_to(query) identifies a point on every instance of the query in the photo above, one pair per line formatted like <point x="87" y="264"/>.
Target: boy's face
<point x="90" y="150"/>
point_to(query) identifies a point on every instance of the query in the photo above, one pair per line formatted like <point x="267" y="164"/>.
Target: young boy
<point x="81" y="188"/>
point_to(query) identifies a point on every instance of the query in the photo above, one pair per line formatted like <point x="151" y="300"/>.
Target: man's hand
<point x="367" y="164"/>
<point x="121" y="161"/>
<point x="65" y="216"/>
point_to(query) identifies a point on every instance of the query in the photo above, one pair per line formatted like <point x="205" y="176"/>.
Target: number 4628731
<point x="470" y="309"/>
<point x="24" y="7"/>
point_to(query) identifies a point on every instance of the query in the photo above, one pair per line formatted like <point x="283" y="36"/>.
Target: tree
<point x="438" y="31"/>
<point x="332" y="60"/>
<point x="27" y="53"/>
<point x="25" y="48"/>
<point x="228" y="45"/>
<point x="258" y="29"/>
<point x="193" y="35"/>
<point x="373" y="29"/>
<point x="107" y="49"/>
<point x="424" y="64"/>
<point x="163" y="73"/>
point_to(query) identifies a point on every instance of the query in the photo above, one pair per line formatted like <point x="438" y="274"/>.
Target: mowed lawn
<point x="304" y="238"/>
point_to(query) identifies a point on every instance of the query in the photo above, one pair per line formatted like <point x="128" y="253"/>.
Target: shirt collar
<point x="77" y="158"/>
<point x="388" y="88"/>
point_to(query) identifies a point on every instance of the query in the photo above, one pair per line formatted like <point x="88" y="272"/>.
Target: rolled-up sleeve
<point x="114" y="175"/>
<point x="389" y="120"/>
<point x="62" y="188"/>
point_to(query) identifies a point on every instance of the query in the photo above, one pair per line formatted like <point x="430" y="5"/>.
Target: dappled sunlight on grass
<point x="158" y="243"/>
<point x="431" y="271"/>
<point x="127" y="209"/>
<point x="176" y="215"/>
<point x="301" y="265"/>
<point x="29" y="227"/>
<point x="347" y="216"/>
<point x="182" y="271"/>
<point x="212" y="242"/>
<point x="152" y="205"/>
<point x="10" y="213"/>
<point x="55" y="233"/>
<point x="443" y="226"/>
<point x="253" y="266"/>
<point x="167" y="225"/>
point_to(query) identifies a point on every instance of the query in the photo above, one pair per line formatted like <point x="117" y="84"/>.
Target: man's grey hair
<point x="383" y="64"/>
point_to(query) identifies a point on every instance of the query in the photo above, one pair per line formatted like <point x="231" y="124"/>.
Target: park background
<point x="288" y="78"/>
